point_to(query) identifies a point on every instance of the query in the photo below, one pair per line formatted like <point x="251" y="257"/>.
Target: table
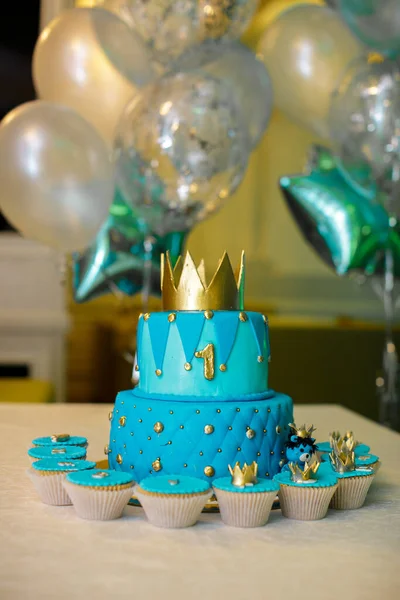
<point x="47" y="552"/>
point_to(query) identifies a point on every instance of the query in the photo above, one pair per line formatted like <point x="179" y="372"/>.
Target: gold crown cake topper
<point x="342" y="453"/>
<point x="184" y="287"/>
<point x="243" y="476"/>
<point x="303" y="431"/>
<point x="299" y="475"/>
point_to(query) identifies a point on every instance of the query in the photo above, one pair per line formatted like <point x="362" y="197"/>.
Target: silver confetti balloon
<point x="243" y="71"/>
<point x="181" y="148"/>
<point x="169" y="27"/>
<point x="365" y="118"/>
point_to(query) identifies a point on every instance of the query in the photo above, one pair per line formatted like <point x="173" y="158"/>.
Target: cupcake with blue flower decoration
<point x="245" y="500"/>
<point x="99" y="495"/>
<point x="61" y="452"/>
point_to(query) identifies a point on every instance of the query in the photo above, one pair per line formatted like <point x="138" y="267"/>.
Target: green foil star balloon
<point x="347" y="230"/>
<point x="119" y="255"/>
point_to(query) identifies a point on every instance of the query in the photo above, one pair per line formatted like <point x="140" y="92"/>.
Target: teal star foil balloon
<point x="119" y="255"/>
<point x="347" y="230"/>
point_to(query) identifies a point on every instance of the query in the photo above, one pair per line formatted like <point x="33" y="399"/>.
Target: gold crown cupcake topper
<point x="299" y="475"/>
<point x="342" y="454"/>
<point x="301" y="432"/>
<point x="346" y="442"/>
<point x="184" y="287"/>
<point x="242" y="477"/>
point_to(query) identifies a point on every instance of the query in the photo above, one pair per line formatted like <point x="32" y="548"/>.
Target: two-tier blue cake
<point x="202" y="401"/>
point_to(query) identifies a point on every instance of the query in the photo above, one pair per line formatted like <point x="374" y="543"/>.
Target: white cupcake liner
<point x="305" y="504"/>
<point x="241" y="509"/>
<point x="351" y="492"/>
<point x="172" y="510"/>
<point x="50" y="488"/>
<point x="98" y="504"/>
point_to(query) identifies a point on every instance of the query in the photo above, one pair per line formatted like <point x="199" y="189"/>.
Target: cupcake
<point x="367" y="461"/>
<point x="48" y="475"/>
<point x="61" y="452"/>
<point x="244" y="500"/>
<point x="61" y="439"/>
<point x="305" y="494"/>
<point x="173" y="501"/>
<point x="354" y="482"/>
<point x="99" y="495"/>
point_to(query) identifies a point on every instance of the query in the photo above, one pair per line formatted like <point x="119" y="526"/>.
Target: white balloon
<point x="56" y="175"/>
<point x="305" y="51"/>
<point x="90" y="60"/>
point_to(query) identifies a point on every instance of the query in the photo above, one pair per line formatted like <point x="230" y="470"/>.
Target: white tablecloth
<point x="47" y="552"/>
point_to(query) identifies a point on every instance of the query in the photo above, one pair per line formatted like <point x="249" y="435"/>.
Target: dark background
<point x="18" y="35"/>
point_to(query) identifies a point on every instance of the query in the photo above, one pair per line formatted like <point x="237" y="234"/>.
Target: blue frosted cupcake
<point x="173" y="501"/>
<point x="306" y="500"/>
<point x="99" y="495"/>
<point x="60" y="452"/>
<point x="61" y="439"/>
<point x="245" y="500"/>
<point x="48" y="476"/>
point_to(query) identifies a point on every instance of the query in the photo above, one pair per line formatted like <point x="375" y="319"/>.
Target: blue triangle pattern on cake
<point x="258" y="327"/>
<point x="226" y="324"/>
<point x="190" y="326"/>
<point x="158" y="325"/>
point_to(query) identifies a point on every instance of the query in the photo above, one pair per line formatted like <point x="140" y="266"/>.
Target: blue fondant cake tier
<point x="174" y="347"/>
<point x="188" y="435"/>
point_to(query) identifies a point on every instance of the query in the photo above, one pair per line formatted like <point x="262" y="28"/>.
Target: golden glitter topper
<point x="184" y="287"/>
<point x="244" y="476"/>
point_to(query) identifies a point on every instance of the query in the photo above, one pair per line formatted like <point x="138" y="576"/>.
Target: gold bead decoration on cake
<point x="230" y="428"/>
<point x="132" y="433"/>
<point x="171" y="412"/>
<point x="281" y="463"/>
<point x="222" y="368"/>
<point x="277" y="429"/>
<point x="208" y="314"/>
<point x="122" y="421"/>
<point x="171" y="317"/>
<point x="187" y="366"/>
<point x="272" y="453"/>
<point x="169" y="442"/>
<point x="122" y="402"/>
<point x="256" y="410"/>
<point x="158" y="372"/>
<point x="148" y="438"/>
<point x="124" y="445"/>
<point x="149" y="409"/>
<point x="156" y="464"/>
<point x="140" y="420"/>
<point x="106" y="449"/>
<point x="268" y="410"/>
<point x="282" y="452"/>
<point x="238" y="410"/>
<point x="185" y="465"/>
<point x="158" y="427"/>
<point x="208" y="429"/>
<point x="60" y="437"/>
<point x="140" y="451"/>
<point x="260" y="359"/>
<point x="140" y="315"/>
<point x="119" y="459"/>
<point x="239" y="449"/>
<point x="242" y="316"/>
<point x="209" y="471"/>
<point x="197" y="412"/>
<point x="250" y="434"/>
<point x="132" y="466"/>
<point x="146" y="316"/>
<point x="264" y="431"/>
<point x="267" y="474"/>
<point x="110" y="415"/>
<point x="200" y="453"/>
<point x="136" y="367"/>
<point x="258" y="453"/>
<point x="265" y="319"/>
<point x="181" y="427"/>
<point x="219" y="450"/>
<point x="218" y="410"/>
